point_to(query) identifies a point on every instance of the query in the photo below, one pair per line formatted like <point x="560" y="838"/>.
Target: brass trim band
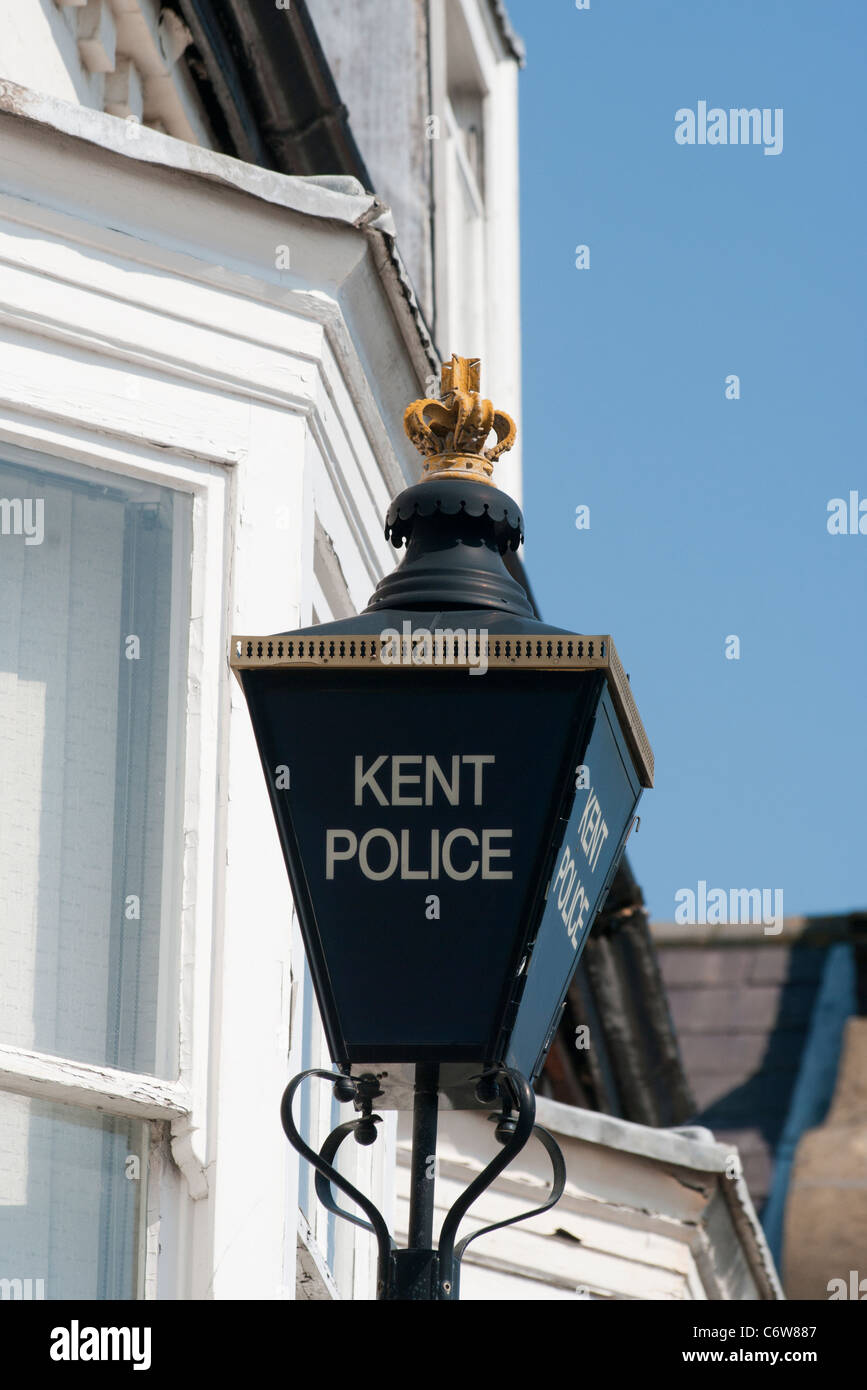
<point x="503" y="651"/>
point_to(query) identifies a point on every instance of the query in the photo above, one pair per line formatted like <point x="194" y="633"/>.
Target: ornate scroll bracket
<point x="421" y="1272"/>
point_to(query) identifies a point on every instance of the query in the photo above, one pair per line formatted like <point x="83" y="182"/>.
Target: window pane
<point x="71" y="1201"/>
<point x="94" y="574"/>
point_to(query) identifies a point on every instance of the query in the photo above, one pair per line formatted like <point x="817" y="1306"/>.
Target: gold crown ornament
<point x="451" y="433"/>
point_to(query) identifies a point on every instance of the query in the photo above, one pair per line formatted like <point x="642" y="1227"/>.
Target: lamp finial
<point x="451" y="433"/>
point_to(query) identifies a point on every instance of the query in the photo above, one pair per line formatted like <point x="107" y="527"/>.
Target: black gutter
<point x="267" y="87"/>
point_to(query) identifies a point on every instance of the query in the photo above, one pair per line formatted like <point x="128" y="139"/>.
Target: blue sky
<point x="708" y="516"/>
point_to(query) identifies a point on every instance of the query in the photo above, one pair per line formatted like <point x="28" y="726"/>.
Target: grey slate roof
<point x="742" y="1006"/>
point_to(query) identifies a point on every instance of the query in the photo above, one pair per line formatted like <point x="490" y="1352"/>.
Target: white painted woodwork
<point x="76" y="1083"/>
<point x="647" y="1214"/>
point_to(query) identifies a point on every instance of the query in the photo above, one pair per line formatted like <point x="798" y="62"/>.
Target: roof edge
<point x="690" y="1147"/>
<point x="512" y="40"/>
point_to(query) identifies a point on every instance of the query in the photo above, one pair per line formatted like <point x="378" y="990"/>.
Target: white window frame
<point x="66" y="1080"/>
<point x="491" y="328"/>
<point x="351" y="1273"/>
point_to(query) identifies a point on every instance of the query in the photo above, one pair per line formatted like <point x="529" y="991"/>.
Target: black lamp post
<point x="453" y="784"/>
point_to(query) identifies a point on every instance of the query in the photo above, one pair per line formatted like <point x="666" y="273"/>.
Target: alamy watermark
<point x="735" y="126"/>
<point x="441" y="646"/>
<point x="847" y="518"/>
<point x="23" y="516"/>
<point x="855" y="1290"/>
<point x="22" y="1289"/>
<point x="77" y="1343"/>
<point x="730" y="906"/>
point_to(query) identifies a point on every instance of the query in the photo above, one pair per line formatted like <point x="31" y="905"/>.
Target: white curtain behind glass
<point x="73" y="1224"/>
<point x="59" y="628"/>
<point x="87" y="923"/>
<point x="83" y="760"/>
